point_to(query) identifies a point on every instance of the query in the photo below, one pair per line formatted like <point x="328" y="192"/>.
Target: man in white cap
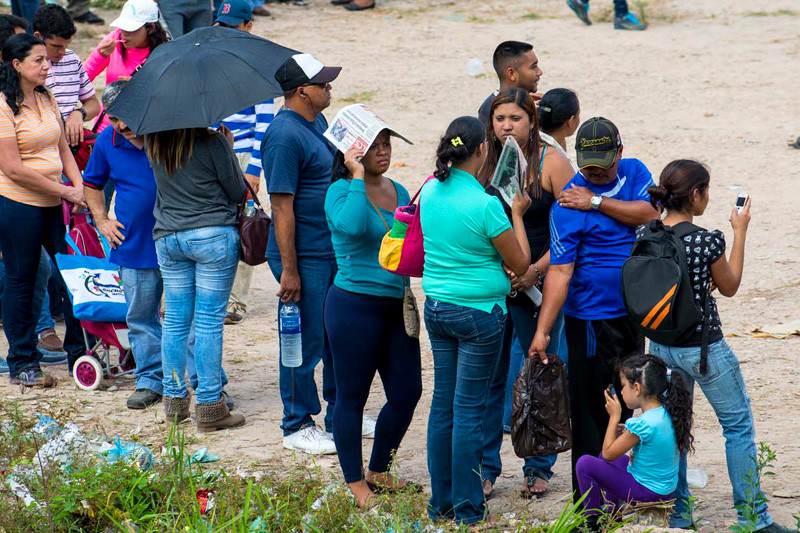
<point x="298" y="162"/>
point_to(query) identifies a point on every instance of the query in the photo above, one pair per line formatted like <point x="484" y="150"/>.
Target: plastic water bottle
<point x="696" y="478"/>
<point x="474" y="67"/>
<point x="250" y="208"/>
<point x="290" y="332"/>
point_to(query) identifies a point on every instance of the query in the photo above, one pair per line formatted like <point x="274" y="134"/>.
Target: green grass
<point x="778" y="13"/>
<point x="358" y="98"/>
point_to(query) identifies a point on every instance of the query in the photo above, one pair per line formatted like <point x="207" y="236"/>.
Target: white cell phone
<point x="740" y="201"/>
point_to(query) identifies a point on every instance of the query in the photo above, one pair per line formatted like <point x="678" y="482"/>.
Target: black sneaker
<point x="89" y="18"/>
<point x="776" y="528"/>
<point x="33" y="377"/>
<point x="142" y="399"/>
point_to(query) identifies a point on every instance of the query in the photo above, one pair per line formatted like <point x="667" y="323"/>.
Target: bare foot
<point x="488" y="487"/>
<point x="534" y="487"/>
<point x="364" y="497"/>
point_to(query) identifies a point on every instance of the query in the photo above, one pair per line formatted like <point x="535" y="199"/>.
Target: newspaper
<point x="355" y="125"/>
<point x="509" y="175"/>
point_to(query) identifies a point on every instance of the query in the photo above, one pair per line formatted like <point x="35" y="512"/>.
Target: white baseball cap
<point x="135" y="14"/>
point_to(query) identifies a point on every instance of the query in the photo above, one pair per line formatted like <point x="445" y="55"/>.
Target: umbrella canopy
<point x="199" y="79"/>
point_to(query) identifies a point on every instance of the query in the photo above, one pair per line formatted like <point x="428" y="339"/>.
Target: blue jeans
<point x="298" y="388"/>
<point x="723" y="386"/>
<point x="40" y="295"/>
<point x="198" y="266"/>
<point x="465" y="343"/>
<point x="25" y="9"/>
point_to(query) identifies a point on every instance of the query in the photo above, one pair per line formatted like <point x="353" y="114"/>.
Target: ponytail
<point x="677" y="183"/>
<point x="459" y="143"/>
<point x="671" y="389"/>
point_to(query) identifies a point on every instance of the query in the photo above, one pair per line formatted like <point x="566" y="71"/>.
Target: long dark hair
<point x="156" y="35"/>
<point x="671" y="390"/>
<point x="556" y="107"/>
<point x="173" y="148"/>
<point x="523" y="100"/>
<point x="677" y="184"/>
<point x="463" y="136"/>
<point x="16" y="47"/>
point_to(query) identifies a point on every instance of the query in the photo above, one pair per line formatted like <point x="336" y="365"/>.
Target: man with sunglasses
<point x="297" y="162"/>
<point x="592" y="231"/>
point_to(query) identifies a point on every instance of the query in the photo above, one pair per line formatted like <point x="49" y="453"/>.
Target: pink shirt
<point x="116" y="65"/>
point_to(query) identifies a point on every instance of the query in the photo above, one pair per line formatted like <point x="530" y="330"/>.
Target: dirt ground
<point x="710" y="79"/>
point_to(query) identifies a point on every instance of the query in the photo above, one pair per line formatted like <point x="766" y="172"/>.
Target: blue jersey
<point x="597" y="244"/>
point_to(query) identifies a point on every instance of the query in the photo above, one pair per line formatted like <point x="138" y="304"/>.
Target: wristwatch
<point x="596" y="201"/>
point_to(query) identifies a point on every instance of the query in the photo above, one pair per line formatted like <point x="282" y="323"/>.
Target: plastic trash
<point x="130" y="452"/>
<point x="63" y="448"/>
<point x="206" y="499"/>
<point x="696" y="478"/>
<point x="290" y="335"/>
<point x="474" y="67"/>
<point x="203" y="456"/>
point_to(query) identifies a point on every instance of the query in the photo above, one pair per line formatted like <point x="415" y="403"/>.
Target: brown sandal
<point x="535" y="487"/>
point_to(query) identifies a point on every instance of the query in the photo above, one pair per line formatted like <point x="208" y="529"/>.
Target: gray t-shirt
<point x="206" y="191"/>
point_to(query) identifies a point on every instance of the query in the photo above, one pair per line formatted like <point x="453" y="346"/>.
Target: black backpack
<point x="657" y="288"/>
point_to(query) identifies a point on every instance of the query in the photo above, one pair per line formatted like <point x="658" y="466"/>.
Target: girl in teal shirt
<point x="364" y="319"/>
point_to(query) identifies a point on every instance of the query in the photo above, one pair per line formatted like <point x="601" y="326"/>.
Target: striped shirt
<point x="36" y="133"/>
<point x="70" y="84"/>
<point x="248" y="127"/>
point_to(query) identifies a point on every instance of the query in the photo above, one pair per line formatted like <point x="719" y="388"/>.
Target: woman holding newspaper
<point x="542" y="173"/>
<point x="359" y="208"/>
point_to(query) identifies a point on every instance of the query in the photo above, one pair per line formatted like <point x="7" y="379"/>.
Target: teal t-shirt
<point x="356" y="234"/>
<point x="654" y="462"/>
<point x="459" y="221"/>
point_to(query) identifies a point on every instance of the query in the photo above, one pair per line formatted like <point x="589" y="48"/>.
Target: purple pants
<point x="609" y="483"/>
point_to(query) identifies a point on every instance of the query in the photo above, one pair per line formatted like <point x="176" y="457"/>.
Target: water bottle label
<point x="290" y="325"/>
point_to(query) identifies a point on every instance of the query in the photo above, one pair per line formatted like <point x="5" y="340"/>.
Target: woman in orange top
<point x="33" y="155"/>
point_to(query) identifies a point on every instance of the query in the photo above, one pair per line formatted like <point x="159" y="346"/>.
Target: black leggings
<point x="24" y="229"/>
<point x="366" y="334"/>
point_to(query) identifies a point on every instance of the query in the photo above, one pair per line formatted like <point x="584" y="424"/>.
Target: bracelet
<point x="539" y="276"/>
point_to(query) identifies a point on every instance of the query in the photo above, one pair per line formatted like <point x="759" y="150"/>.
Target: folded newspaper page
<point x="510" y="171"/>
<point x="355" y="125"/>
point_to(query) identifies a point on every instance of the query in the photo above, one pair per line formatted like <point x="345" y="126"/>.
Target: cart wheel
<point x="88" y="372"/>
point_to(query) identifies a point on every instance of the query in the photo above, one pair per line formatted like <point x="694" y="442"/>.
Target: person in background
<point x="11" y="25"/>
<point x="248" y="127"/>
<point x="24" y="10"/>
<point x="126" y="48"/>
<point x="67" y="79"/>
<point x="467" y="239"/>
<point x="33" y="155"/>
<point x="683" y="193"/>
<point x="516" y="65"/>
<point x="655" y="439"/>
<point x="559" y="118"/>
<point x="513" y="114"/>
<point x="298" y="163"/>
<point x="623" y="18"/>
<point x="80" y="12"/>
<point x="183" y="16"/>
<point x="359" y="209"/>
<point x="591" y="235"/>
<point x="199" y="190"/>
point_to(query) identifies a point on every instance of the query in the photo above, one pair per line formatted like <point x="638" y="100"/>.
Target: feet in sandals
<point x="534" y="487"/>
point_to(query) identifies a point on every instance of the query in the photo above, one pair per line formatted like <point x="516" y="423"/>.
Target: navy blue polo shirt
<point x="298" y="160"/>
<point x="115" y="158"/>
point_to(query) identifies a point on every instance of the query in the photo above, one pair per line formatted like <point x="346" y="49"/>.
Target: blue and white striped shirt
<point x="248" y="127"/>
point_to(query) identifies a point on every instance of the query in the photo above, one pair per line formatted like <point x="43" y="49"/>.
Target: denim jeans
<point x="724" y="388"/>
<point x="521" y="326"/>
<point x="24" y="230"/>
<point x="198" y="266"/>
<point x="466" y="344"/>
<point x="298" y="388"/>
<point x="25" y="9"/>
<point x="41" y="297"/>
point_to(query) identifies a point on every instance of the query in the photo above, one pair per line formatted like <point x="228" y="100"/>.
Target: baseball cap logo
<point x="226" y="8"/>
<point x="590" y="143"/>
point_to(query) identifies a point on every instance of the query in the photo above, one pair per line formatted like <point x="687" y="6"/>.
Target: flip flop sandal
<point x="488" y="488"/>
<point x="530" y="482"/>
<point x="795" y="144"/>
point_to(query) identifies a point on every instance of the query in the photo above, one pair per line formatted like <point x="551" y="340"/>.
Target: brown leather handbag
<point x="253" y="231"/>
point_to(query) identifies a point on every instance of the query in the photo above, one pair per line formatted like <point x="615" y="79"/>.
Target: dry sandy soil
<point x="711" y="79"/>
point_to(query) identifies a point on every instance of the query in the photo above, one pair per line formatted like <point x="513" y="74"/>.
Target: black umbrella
<point x="199" y="79"/>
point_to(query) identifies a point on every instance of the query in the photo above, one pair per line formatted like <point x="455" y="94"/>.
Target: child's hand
<point x="613" y="407"/>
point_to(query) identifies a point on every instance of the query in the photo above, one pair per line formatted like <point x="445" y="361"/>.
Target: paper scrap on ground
<point x="355" y="125"/>
<point x="776" y="331"/>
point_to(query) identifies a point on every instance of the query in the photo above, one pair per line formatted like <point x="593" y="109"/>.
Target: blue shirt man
<point x="592" y="230"/>
<point x="298" y="165"/>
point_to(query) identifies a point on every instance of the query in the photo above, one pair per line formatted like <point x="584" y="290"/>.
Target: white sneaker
<point x="310" y="440"/>
<point x="368" y="427"/>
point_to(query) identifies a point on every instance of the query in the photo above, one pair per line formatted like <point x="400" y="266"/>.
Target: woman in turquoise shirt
<point x="467" y="239"/>
<point x="364" y="318"/>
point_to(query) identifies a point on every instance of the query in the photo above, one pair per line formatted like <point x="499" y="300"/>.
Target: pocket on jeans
<point x="212" y="249"/>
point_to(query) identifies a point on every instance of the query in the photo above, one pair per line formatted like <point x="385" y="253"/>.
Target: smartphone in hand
<point x="741" y="200"/>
